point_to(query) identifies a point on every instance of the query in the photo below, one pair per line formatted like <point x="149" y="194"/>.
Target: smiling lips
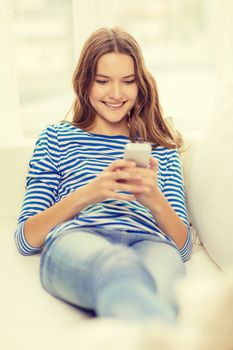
<point x="114" y="106"/>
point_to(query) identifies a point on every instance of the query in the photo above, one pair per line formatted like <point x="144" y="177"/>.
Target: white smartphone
<point x="139" y="153"/>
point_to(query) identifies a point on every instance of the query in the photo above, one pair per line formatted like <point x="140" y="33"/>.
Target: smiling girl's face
<point x="113" y="93"/>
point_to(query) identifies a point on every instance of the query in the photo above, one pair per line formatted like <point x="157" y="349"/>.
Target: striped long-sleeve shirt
<point x="66" y="158"/>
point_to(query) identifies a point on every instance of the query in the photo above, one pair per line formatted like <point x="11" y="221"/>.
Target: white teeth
<point x="117" y="105"/>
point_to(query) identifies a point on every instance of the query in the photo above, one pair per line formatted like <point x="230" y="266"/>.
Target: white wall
<point x="10" y="130"/>
<point x="225" y="47"/>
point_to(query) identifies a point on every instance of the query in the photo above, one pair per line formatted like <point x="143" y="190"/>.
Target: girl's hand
<point x="120" y="175"/>
<point x="148" y="180"/>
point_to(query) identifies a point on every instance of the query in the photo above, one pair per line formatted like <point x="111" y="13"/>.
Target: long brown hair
<point x="146" y="120"/>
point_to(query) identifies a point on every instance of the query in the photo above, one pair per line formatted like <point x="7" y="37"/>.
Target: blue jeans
<point x="113" y="273"/>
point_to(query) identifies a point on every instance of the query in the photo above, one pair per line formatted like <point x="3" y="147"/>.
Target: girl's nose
<point x="115" y="92"/>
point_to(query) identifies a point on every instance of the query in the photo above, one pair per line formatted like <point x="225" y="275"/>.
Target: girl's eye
<point x="102" y="81"/>
<point x="127" y="82"/>
<point x="130" y="81"/>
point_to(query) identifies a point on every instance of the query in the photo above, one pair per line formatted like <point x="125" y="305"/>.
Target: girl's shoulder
<point x="55" y="134"/>
<point x="62" y="128"/>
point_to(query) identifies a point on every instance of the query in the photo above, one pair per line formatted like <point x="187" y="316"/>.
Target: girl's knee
<point x="160" y="256"/>
<point x="121" y="262"/>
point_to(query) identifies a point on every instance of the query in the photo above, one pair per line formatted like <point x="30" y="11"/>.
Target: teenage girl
<point x="113" y="236"/>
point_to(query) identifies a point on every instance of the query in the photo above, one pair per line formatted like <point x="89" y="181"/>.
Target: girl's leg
<point x="65" y="266"/>
<point x="166" y="266"/>
<point x="88" y="271"/>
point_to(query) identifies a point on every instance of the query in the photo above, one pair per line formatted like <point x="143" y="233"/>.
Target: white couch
<point x="31" y="318"/>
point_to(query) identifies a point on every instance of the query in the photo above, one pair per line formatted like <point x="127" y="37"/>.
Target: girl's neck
<point x="109" y="130"/>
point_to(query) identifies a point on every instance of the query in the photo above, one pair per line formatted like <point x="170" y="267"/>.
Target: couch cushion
<point x="24" y="299"/>
<point x="210" y="191"/>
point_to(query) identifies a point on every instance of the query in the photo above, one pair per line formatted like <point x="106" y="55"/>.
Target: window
<point x="44" y="59"/>
<point x="176" y="37"/>
<point x="177" y="40"/>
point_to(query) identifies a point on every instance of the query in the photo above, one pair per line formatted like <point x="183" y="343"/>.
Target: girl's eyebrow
<point x="106" y="76"/>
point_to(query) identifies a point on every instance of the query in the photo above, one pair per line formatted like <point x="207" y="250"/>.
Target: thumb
<point x="153" y="163"/>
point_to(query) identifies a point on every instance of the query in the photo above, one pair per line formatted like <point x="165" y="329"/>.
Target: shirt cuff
<point x="23" y="246"/>
<point x="186" y="250"/>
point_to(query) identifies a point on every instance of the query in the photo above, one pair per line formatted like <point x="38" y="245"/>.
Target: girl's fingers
<point x="133" y="188"/>
<point x="124" y="175"/>
<point x="117" y="195"/>
<point x="124" y="197"/>
<point x="121" y="163"/>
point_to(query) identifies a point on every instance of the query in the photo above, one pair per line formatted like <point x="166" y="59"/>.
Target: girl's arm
<point x="39" y="225"/>
<point x="102" y="187"/>
<point x="40" y="213"/>
<point x="168" y="206"/>
<point x="168" y="221"/>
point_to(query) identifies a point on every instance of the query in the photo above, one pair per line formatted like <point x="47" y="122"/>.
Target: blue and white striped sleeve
<point x="42" y="184"/>
<point x="23" y="246"/>
<point x="173" y="190"/>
